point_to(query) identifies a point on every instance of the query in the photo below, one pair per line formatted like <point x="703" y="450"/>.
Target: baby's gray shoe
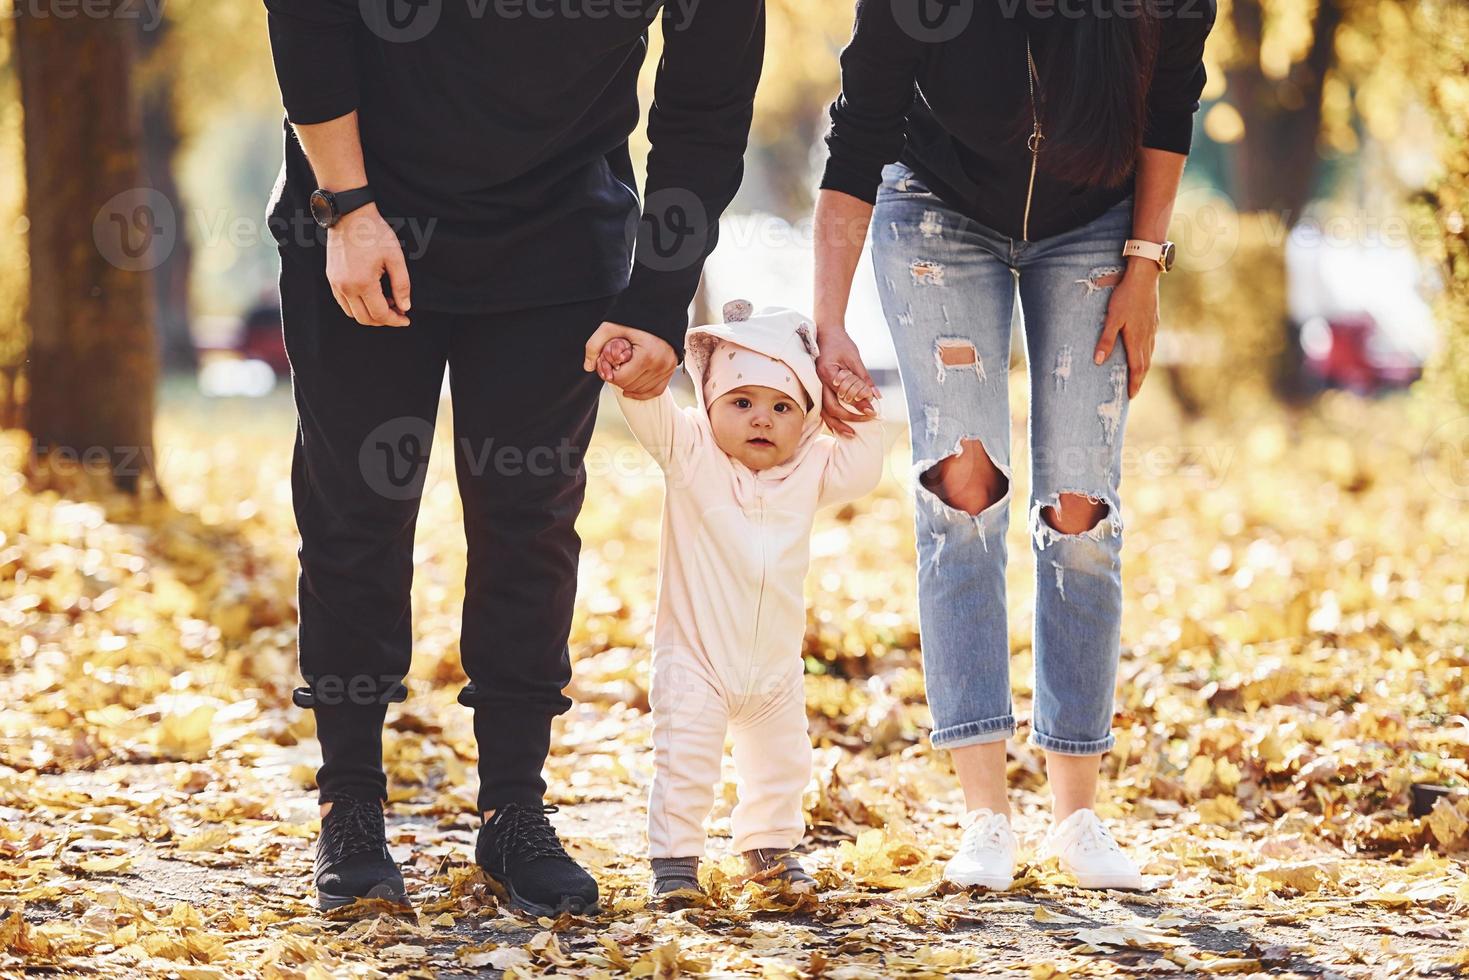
<point x="675" y="874"/>
<point x="789" y="865"/>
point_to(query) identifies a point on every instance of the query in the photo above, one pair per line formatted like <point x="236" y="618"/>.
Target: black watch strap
<point x="349" y="201"/>
<point x="329" y="207"/>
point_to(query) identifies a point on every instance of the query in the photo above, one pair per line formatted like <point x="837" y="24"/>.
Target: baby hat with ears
<point x="733" y="365"/>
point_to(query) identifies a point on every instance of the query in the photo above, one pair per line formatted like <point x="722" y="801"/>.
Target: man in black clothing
<point x="457" y="190"/>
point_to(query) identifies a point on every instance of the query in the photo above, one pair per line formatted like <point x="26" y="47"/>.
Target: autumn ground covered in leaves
<point x="1296" y="658"/>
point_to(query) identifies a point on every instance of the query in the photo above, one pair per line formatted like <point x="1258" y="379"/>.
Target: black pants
<point x="366" y="400"/>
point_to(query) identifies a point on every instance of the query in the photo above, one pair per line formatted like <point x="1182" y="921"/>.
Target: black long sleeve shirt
<point x="494" y="134"/>
<point x="944" y="104"/>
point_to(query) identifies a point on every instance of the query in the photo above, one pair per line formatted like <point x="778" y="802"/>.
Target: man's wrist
<point x="356" y="218"/>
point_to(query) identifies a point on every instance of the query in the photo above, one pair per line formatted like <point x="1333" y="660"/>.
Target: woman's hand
<point x="844" y="378"/>
<point x="1132" y="311"/>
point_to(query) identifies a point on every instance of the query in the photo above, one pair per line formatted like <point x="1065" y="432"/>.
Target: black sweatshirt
<point x="495" y="132"/>
<point x="943" y="100"/>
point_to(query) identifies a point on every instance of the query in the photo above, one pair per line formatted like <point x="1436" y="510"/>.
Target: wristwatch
<point x="1161" y="253"/>
<point x="329" y="207"/>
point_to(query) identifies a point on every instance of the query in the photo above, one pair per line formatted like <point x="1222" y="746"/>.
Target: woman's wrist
<point x="830" y="330"/>
<point x="1142" y="268"/>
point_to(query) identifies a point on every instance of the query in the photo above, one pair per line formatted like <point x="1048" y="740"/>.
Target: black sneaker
<point x="519" y="848"/>
<point x="352" y="859"/>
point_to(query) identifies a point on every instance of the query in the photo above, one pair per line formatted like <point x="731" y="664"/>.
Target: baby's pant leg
<point x="772" y="755"/>
<point x="689" y="722"/>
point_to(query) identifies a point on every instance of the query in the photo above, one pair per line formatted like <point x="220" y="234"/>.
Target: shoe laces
<point x="1092" y="836"/>
<point x="523" y="833"/>
<point x="352" y="826"/>
<point x="988" y="831"/>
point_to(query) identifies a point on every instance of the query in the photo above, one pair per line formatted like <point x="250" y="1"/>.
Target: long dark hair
<point x="1095" y="71"/>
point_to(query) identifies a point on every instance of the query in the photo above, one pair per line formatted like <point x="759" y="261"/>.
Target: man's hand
<point x="1132" y="311"/>
<point x="616" y="353"/>
<point x="639" y="363"/>
<point x="844" y="378"/>
<point x="359" y="249"/>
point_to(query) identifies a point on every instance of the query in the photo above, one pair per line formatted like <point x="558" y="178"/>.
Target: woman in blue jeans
<point x="1005" y="153"/>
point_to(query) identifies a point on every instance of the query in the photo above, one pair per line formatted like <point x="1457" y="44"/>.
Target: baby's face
<point x="758" y="426"/>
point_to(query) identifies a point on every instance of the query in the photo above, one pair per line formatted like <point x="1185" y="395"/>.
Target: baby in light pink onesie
<point x="745" y="470"/>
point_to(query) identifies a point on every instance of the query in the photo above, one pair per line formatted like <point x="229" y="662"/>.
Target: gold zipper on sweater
<point x="1035" y="140"/>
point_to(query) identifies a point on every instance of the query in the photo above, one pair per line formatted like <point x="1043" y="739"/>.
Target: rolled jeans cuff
<point x="1062" y="746"/>
<point x="973" y="733"/>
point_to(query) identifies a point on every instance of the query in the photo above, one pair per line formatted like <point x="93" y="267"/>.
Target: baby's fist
<point x="615" y="353"/>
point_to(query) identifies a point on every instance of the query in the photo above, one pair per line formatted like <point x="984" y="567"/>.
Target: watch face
<point x="1167" y="259"/>
<point x="323" y="208"/>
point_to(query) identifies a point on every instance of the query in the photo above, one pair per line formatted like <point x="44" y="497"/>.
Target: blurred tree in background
<point x="1311" y="104"/>
<point x="1299" y="92"/>
<point x="161" y="140"/>
<point x="800" y="79"/>
<point x="92" y="227"/>
<point x="14" y="260"/>
<point x="1442" y="79"/>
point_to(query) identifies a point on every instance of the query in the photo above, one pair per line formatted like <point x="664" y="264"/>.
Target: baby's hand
<point x="615" y="353"/>
<point x="850" y="388"/>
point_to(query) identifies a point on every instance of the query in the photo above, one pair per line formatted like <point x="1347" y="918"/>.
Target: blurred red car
<point x="1351" y="351"/>
<point x="261" y="339"/>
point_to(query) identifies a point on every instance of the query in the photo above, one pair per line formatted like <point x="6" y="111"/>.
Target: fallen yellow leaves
<point x="1304" y="877"/>
<point x="885" y="859"/>
<point x="1294" y="664"/>
<point x="1449" y="822"/>
<point x="104" y="865"/>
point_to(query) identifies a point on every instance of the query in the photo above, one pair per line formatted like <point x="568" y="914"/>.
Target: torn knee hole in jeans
<point x="1044" y="515"/>
<point x="969" y="495"/>
<point x="957" y="353"/>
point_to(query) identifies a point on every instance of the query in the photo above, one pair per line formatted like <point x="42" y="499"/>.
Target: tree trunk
<point x="160" y="143"/>
<point x="95" y="235"/>
<point x="1275" y="165"/>
<point x="1277" y="162"/>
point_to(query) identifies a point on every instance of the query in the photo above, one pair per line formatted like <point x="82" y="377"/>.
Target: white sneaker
<point x="986" y="853"/>
<point x="1085" y="849"/>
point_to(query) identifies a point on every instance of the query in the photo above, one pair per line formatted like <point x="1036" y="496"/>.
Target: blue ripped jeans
<point x="948" y="288"/>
